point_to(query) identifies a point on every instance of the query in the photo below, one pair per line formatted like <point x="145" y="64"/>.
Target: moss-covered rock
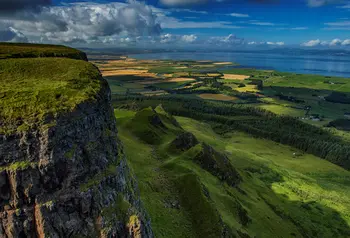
<point x="150" y="125"/>
<point x="183" y="142"/>
<point x="216" y="163"/>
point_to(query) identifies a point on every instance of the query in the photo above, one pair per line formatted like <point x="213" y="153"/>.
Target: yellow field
<point x="223" y="63"/>
<point x="172" y="80"/>
<point x="221" y="97"/>
<point x="236" y="76"/>
<point x="154" y="93"/>
<point x="248" y="88"/>
<point x="214" y="75"/>
<point x="180" y="79"/>
<point x="137" y="72"/>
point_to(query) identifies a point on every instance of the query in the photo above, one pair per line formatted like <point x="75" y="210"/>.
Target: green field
<point x="283" y="192"/>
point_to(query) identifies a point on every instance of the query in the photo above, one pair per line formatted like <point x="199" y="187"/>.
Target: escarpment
<point x="65" y="175"/>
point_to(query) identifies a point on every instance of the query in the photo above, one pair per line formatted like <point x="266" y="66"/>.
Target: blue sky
<point x="183" y="23"/>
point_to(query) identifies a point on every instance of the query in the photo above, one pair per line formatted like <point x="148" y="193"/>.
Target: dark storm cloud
<point x="9" y="6"/>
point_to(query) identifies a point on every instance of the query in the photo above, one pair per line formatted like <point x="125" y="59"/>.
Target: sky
<point x="178" y="23"/>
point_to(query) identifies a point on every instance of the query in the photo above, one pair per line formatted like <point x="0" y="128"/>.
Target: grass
<point x="222" y="97"/>
<point x="20" y="165"/>
<point x="310" y="81"/>
<point x="155" y="187"/>
<point x="311" y="97"/>
<point x="23" y="50"/>
<point x="34" y="89"/>
<point x="300" y="180"/>
<point x="170" y="85"/>
<point x="283" y="193"/>
<point x="283" y="110"/>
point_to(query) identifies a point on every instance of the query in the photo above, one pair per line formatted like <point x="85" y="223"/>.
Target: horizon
<point x="179" y="24"/>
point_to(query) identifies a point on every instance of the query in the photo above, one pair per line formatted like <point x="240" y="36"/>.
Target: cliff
<point x="63" y="172"/>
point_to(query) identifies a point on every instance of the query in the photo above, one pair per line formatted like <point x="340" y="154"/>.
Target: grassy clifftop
<point x="32" y="89"/>
<point x="23" y="50"/>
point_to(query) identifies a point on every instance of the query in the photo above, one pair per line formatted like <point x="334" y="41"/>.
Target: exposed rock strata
<point x="70" y="180"/>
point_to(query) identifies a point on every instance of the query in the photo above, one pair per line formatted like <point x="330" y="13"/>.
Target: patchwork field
<point x="315" y="99"/>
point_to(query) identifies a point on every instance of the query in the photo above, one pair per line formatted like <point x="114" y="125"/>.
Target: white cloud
<point x="341" y="23"/>
<point x="87" y="22"/>
<point x="12" y="35"/>
<point x="335" y="42"/>
<point x="346" y="42"/>
<point x="347" y="6"/>
<point x="299" y="28"/>
<point x="189" y="38"/>
<point x="174" y="23"/>
<point x="260" y="23"/>
<point x="312" y="43"/>
<point x="188" y="10"/>
<point x="167" y="38"/>
<point x="332" y="43"/>
<point x="181" y="39"/>
<point x="226" y="40"/>
<point x="182" y="2"/>
<point x="279" y="43"/>
<point x="337" y="28"/>
<point x="238" y="15"/>
<point x="320" y="3"/>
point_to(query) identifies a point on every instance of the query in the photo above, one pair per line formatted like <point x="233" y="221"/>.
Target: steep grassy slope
<point x="33" y="89"/>
<point x="280" y="191"/>
<point x="23" y="50"/>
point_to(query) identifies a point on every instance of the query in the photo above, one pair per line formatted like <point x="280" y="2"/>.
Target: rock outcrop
<point x="184" y="142"/>
<point x="70" y="179"/>
<point x="217" y="164"/>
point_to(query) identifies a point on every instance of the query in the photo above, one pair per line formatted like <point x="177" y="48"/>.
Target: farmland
<point x="315" y="99"/>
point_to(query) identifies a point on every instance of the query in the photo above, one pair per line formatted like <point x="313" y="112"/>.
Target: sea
<point x="327" y="65"/>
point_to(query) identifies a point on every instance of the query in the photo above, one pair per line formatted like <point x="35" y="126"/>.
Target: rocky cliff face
<point x="70" y="179"/>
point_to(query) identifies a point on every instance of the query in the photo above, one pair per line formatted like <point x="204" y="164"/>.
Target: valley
<point x="282" y="133"/>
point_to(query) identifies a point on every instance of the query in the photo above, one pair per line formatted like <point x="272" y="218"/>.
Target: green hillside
<point x="264" y="189"/>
